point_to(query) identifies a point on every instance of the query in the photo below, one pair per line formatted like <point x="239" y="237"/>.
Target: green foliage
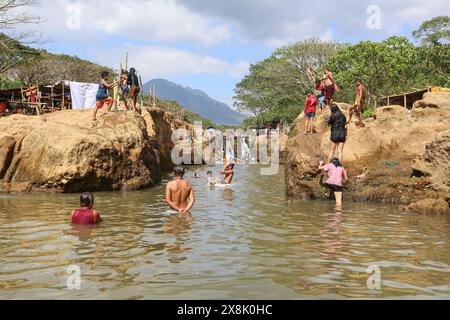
<point x="8" y="84"/>
<point x="369" y="112"/>
<point x="183" y="114"/>
<point x="31" y="66"/>
<point x="275" y="88"/>
<point x="434" y="32"/>
<point x="392" y="66"/>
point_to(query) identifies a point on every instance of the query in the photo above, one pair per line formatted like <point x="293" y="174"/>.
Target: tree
<point x="275" y="89"/>
<point x="10" y="16"/>
<point x="434" y="32"/>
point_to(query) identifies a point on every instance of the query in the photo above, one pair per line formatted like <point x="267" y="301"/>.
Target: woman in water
<point x="338" y="124"/>
<point x="337" y="177"/>
<point x="85" y="215"/>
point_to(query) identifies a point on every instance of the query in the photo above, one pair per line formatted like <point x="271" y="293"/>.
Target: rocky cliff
<point x="66" y="152"/>
<point x="401" y="156"/>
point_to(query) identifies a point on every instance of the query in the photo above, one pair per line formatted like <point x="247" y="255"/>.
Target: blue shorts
<point x="322" y="100"/>
<point x="310" y="115"/>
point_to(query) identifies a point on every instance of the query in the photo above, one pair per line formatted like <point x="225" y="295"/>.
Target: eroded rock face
<point x="66" y="152"/>
<point x="429" y="206"/>
<point x="401" y="157"/>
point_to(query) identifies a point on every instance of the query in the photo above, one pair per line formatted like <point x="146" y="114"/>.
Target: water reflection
<point x="243" y="242"/>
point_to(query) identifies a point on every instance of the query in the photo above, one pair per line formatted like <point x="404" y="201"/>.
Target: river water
<point x="246" y="242"/>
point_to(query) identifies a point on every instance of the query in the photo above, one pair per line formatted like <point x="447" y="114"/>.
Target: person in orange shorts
<point x="103" y="97"/>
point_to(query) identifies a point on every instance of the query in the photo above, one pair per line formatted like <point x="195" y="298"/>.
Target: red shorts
<point x="134" y="92"/>
<point x="330" y="92"/>
<point x="101" y="104"/>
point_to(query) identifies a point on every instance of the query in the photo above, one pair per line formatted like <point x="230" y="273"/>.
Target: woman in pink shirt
<point x="337" y="177"/>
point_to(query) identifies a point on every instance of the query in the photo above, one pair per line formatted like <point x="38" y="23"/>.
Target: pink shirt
<point x="83" y="216"/>
<point x="335" y="174"/>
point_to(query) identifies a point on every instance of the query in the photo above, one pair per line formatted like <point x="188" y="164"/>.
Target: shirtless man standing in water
<point x="179" y="193"/>
<point x="228" y="172"/>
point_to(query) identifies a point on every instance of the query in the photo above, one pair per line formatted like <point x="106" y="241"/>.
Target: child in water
<point x="337" y="177"/>
<point x="85" y="215"/>
<point x="212" y="180"/>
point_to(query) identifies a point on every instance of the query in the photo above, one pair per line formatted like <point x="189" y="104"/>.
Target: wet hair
<point x="132" y="70"/>
<point x="336" y="162"/>
<point x="231" y="166"/>
<point x="104" y="74"/>
<point x="86" y="199"/>
<point x="209" y="172"/>
<point x="179" y="171"/>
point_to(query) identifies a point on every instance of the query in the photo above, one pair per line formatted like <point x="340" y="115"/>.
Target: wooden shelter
<point x="405" y="99"/>
<point x="37" y="99"/>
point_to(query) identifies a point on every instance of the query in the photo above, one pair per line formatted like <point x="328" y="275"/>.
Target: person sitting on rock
<point x="337" y="177"/>
<point x="85" y="215"/>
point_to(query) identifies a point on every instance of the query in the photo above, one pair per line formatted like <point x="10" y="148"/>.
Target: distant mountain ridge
<point x="196" y="101"/>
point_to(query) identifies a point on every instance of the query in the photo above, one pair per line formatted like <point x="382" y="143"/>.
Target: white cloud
<point x="277" y="22"/>
<point x="163" y="62"/>
<point x="157" y="20"/>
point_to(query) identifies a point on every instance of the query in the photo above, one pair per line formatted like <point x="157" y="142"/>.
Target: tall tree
<point x="434" y="32"/>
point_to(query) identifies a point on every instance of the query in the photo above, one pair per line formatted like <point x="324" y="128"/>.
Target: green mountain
<point x="197" y="101"/>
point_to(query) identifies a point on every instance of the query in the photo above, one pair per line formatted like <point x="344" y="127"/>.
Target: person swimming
<point x="180" y="195"/>
<point x="85" y="215"/>
<point x="212" y="180"/>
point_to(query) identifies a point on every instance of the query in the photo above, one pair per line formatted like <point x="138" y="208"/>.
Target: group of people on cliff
<point x="128" y="87"/>
<point x="316" y="101"/>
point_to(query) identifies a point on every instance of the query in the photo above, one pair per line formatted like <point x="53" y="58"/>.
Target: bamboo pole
<point x="154" y="96"/>
<point x="63" y="102"/>
<point x="405" y="101"/>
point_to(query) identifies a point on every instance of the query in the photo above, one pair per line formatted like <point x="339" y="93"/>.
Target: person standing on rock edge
<point x="359" y="103"/>
<point x="329" y="86"/>
<point x="180" y="195"/>
<point x="338" y="124"/>
<point x="103" y="97"/>
<point x="337" y="177"/>
<point x="310" y="112"/>
<point x="135" y="88"/>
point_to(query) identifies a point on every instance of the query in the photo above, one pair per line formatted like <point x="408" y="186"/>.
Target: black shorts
<point x="339" y="136"/>
<point x="334" y="188"/>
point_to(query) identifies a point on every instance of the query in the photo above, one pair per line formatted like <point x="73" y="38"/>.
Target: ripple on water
<point x="248" y="242"/>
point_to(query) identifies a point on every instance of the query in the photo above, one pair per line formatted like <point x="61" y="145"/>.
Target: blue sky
<point x="209" y="44"/>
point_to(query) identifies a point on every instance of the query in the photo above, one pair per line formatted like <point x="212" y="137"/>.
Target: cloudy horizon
<point x="209" y="45"/>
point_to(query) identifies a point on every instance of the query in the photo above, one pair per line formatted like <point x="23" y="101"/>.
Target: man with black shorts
<point x="135" y="88"/>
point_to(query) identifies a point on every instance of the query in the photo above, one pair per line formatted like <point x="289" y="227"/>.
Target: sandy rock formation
<point x="429" y="206"/>
<point x="402" y="156"/>
<point x="66" y="152"/>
